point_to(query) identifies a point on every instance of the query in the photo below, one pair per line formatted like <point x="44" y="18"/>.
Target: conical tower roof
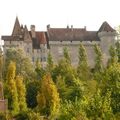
<point x="106" y="27"/>
<point x="17" y="28"/>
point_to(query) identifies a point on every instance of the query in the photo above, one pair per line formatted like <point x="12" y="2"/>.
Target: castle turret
<point x="107" y="38"/>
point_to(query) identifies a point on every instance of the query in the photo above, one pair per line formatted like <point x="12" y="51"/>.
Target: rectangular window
<point x="60" y="50"/>
<point x="27" y="50"/>
<point x="37" y="50"/>
<point x="32" y="59"/>
<point x="44" y="59"/>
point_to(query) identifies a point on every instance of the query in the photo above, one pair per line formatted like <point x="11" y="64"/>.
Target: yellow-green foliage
<point x="48" y="97"/>
<point x="12" y="90"/>
<point x="21" y="90"/>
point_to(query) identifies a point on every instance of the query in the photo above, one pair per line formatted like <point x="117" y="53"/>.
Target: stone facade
<point x="33" y="43"/>
<point x="36" y="44"/>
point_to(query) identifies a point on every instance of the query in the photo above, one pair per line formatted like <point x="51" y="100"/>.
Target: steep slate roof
<point x="106" y="27"/>
<point x="71" y="34"/>
<point x="17" y="28"/>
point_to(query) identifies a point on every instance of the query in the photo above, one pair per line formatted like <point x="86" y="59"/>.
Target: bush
<point x="3" y="116"/>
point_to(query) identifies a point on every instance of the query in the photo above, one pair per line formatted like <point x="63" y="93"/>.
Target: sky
<point x="58" y="13"/>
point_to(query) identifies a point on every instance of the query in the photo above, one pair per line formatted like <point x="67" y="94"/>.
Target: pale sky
<point x="58" y="13"/>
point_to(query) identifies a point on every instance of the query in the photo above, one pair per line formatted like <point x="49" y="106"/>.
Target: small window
<point x="33" y="59"/>
<point x="60" y="50"/>
<point x="37" y="50"/>
<point x="28" y="50"/>
<point x="41" y="59"/>
<point x="44" y="59"/>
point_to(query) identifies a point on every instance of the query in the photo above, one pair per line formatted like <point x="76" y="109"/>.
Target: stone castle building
<point x="36" y="44"/>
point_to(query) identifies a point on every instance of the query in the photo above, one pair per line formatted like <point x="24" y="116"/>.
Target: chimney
<point x="67" y="26"/>
<point x="48" y="26"/>
<point x="33" y="31"/>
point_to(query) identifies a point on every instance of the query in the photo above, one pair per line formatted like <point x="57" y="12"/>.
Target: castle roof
<point x="39" y="39"/>
<point x="72" y="34"/>
<point x="17" y="28"/>
<point x="106" y="27"/>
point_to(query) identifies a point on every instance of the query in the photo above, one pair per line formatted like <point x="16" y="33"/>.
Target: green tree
<point x="66" y="55"/>
<point x="24" y="66"/>
<point x="11" y="88"/>
<point x="118" y="50"/>
<point x="83" y="69"/>
<point x="98" y="59"/>
<point x="112" y="82"/>
<point x="50" y="64"/>
<point x="21" y="90"/>
<point x="99" y="106"/>
<point x="48" y="97"/>
<point x="73" y="110"/>
<point x="31" y="93"/>
<point x="113" y="56"/>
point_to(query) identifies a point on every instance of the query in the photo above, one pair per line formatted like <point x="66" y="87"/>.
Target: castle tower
<point x="107" y="38"/>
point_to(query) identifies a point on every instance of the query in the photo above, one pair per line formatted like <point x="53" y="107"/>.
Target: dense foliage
<point x="62" y="91"/>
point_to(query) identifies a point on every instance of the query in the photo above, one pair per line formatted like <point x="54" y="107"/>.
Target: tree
<point x="23" y="64"/>
<point x="112" y="82"/>
<point x="32" y="89"/>
<point x="50" y="64"/>
<point x="118" y="50"/>
<point x="66" y="55"/>
<point x="98" y="59"/>
<point x="73" y="110"/>
<point x="83" y="69"/>
<point x="113" y="56"/>
<point x="48" y="97"/>
<point x="11" y="88"/>
<point x="21" y="90"/>
<point x="99" y="106"/>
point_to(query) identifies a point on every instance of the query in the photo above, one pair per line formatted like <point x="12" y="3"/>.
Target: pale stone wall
<point x="56" y="49"/>
<point x="107" y="40"/>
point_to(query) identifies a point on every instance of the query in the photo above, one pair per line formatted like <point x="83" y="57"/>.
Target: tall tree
<point x="98" y="59"/>
<point x="112" y="82"/>
<point x="23" y="64"/>
<point x="118" y="50"/>
<point x="66" y="55"/>
<point x="11" y="88"/>
<point x="113" y="56"/>
<point x="83" y="69"/>
<point x="50" y="64"/>
<point x="21" y="90"/>
<point x="48" y="97"/>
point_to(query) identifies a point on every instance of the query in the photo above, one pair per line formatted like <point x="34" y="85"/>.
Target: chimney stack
<point x="67" y="26"/>
<point x="48" y="26"/>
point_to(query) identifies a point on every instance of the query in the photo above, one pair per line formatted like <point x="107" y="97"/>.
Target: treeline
<point x="61" y="91"/>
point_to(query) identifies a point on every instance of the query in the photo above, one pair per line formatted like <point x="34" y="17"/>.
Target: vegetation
<point x="62" y="91"/>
